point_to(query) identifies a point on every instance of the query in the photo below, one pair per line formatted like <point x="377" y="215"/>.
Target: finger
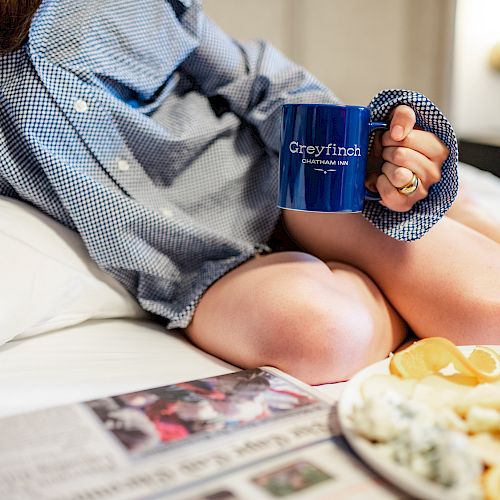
<point x="395" y="200"/>
<point x="396" y="174"/>
<point x="402" y="122"/>
<point x="424" y="142"/>
<point x="427" y="171"/>
<point x="391" y="197"/>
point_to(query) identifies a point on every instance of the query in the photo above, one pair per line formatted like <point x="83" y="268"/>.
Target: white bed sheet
<point x="104" y="357"/>
<point x="483" y="186"/>
<point x="95" y="359"/>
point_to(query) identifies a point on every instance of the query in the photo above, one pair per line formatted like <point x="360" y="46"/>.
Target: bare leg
<point x="447" y="283"/>
<point x="320" y="322"/>
<point x="468" y="212"/>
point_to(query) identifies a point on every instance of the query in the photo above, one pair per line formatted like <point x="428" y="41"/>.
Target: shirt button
<point x="80" y="106"/>
<point x="123" y="165"/>
<point x="166" y="212"/>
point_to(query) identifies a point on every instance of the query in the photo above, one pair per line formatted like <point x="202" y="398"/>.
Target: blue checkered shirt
<point x="150" y="132"/>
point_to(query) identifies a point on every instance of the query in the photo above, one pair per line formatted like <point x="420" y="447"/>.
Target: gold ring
<point x="410" y="187"/>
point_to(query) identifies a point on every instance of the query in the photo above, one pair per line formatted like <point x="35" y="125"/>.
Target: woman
<point x="154" y="135"/>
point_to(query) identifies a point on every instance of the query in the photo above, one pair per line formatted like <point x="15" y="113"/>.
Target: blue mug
<point x="324" y="149"/>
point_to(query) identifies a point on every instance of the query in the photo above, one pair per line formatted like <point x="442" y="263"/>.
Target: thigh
<point x="467" y="211"/>
<point x="319" y="322"/>
<point x="444" y="284"/>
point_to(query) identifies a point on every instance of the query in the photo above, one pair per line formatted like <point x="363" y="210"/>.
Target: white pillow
<point x="47" y="279"/>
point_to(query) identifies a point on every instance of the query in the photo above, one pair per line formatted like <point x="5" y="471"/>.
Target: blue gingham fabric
<point x="145" y="128"/>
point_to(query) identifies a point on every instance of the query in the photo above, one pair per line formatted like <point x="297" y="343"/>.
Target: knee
<point x="319" y="336"/>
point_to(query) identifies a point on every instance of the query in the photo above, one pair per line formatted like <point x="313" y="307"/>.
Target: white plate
<point x="396" y="474"/>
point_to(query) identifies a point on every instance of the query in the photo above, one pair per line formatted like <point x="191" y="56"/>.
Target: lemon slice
<point x="430" y="356"/>
<point x="487" y="361"/>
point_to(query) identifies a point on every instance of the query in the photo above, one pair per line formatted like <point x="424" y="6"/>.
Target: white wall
<point x="476" y="87"/>
<point x="398" y="43"/>
<point x="248" y="19"/>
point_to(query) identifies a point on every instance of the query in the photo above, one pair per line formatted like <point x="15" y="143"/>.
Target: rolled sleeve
<point x="415" y="223"/>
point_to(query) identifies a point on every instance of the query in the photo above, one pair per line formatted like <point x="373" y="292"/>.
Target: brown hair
<point x="15" y="20"/>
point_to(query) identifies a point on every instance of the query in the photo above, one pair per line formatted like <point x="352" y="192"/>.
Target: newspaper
<point x="249" y="434"/>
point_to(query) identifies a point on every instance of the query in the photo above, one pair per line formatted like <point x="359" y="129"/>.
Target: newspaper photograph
<point x="156" y="420"/>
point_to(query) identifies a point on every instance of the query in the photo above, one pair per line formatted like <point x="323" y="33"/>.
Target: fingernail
<point x="397" y="132"/>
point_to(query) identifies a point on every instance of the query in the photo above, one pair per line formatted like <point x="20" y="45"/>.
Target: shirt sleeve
<point x="253" y="78"/>
<point x="425" y="213"/>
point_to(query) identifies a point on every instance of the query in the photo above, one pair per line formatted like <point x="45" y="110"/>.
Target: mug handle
<point x="370" y="195"/>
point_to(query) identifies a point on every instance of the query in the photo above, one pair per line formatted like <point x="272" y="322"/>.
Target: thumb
<point x="402" y="122"/>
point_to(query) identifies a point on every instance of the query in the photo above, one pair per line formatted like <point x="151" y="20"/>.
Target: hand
<point x="402" y="151"/>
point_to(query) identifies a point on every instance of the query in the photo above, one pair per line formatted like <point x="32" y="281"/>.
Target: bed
<point x="79" y="335"/>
